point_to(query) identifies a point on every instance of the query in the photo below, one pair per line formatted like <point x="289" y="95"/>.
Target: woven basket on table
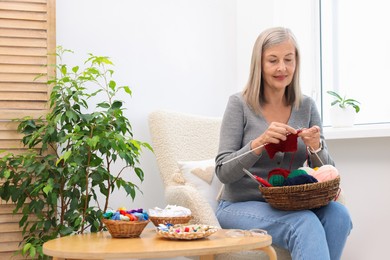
<point x="299" y="197"/>
<point x="120" y="228"/>
<point x="170" y="220"/>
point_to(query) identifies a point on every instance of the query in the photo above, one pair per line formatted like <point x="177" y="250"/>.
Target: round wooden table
<point x="149" y="245"/>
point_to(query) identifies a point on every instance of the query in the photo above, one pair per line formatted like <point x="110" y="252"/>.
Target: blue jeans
<point x="318" y="234"/>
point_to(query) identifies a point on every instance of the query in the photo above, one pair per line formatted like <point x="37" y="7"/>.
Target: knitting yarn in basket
<point x="125" y="229"/>
<point x="300" y="197"/>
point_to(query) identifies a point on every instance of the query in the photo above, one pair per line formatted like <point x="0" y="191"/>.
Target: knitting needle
<point x="232" y="159"/>
<point x="252" y="176"/>
<point x="258" y="147"/>
<point x="318" y="157"/>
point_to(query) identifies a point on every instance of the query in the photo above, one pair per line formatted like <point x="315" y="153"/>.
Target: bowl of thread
<point x="171" y="214"/>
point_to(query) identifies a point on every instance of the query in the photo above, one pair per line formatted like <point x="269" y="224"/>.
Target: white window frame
<point x="334" y="70"/>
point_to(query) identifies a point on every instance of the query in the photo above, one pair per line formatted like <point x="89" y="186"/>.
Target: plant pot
<point x="342" y="117"/>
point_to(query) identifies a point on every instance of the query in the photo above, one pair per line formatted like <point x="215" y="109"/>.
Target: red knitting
<point x="290" y="145"/>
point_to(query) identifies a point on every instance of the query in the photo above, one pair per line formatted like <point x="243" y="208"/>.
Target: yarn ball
<point x="278" y="171"/>
<point x="325" y="173"/>
<point x="295" y="173"/>
<point x="308" y="170"/>
<point x="276" y="180"/>
<point x="126" y="215"/>
<point x="300" y="179"/>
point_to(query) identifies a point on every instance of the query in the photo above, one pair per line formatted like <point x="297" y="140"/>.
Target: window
<point x="355" y="56"/>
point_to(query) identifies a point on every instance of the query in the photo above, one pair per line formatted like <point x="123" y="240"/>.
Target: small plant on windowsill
<point x="343" y="110"/>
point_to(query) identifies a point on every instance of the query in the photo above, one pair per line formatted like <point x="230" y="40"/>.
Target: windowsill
<point x="357" y="131"/>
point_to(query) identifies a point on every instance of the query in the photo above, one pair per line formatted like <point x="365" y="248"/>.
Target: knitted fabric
<point x="289" y="145"/>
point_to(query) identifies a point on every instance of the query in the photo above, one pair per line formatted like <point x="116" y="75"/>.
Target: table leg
<point x="270" y="251"/>
<point x="206" y="257"/>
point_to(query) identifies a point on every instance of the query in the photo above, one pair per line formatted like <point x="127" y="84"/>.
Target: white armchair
<point x="184" y="142"/>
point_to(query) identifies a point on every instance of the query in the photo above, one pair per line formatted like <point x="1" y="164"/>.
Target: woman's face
<point x="278" y="65"/>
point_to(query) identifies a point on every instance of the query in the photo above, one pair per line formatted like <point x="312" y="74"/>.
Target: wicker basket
<point x="179" y="232"/>
<point x="170" y="220"/>
<point x="299" y="197"/>
<point x="120" y="228"/>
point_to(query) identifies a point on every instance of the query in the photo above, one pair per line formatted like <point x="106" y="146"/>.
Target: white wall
<point x="175" y="54"/>
<point x="183" y="55"/>
<point x="253" y="16"/>
<point x="189" y="56"/>
<point x="364" y="166"/>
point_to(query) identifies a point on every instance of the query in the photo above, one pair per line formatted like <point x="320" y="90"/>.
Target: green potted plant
<point x="62" y="185"/>
<point x="343" y="110"/>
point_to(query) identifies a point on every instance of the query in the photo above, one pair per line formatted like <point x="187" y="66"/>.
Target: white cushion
<point x="201" y="175"/>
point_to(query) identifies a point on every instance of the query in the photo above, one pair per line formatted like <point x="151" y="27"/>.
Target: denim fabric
<point x="318" y="234"/>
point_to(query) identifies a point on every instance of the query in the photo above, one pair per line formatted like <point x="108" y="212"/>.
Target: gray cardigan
<point x="240" y="125"/>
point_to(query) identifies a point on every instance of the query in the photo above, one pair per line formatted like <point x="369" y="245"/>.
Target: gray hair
<point x="254" y="90"/>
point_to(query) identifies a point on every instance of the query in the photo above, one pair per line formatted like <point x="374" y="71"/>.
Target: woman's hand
<point x="311" y="137"/>
<point x="275" y="133"/>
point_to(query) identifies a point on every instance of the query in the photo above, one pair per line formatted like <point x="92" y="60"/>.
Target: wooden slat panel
<point x="11" y="256"/>
<point x="23" y="69"/>
<point x="23" y="60"/>
<point x="18" y="77"/>
<point x="14" y="218"/>
<point x="23" y="23"/>
<point x="23" y="6"/>
<point x="10" y="227"/>
<point x="11" y="144"/>
<point x="14" y="144"/>
<point x="37" y="25"/>
<point x="22" y="33"/>
<point x="9" y="246"/>
<point x="9" y="126"/>
<point x="17" y="152"/>
<point x="23" y="87"/>
<point x="34" y="16"/>
<point x="30" y="1"/>
<point x="14" y="96"/>
<point x="10" y="135"/>
<point x="6" y="207"/>
<point x="22" y="105"/>
<point x="10" y="237"/>
<point x="51" y="41"/>
<point x="23" y="42"/>
<point x="15" y="114"/>
<point x="10" y="218"/>
<point x="23" y="51"/>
